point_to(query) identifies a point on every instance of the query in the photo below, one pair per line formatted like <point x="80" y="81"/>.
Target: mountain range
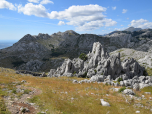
<point x="43" y="52"/>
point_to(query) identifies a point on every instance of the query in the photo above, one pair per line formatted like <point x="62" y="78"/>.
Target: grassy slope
<point x="61" y="96"/>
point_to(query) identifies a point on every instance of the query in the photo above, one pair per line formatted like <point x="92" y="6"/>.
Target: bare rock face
<point x="132" y="68"/>
<point x="33" y="65"/>
<point x="99" y="63"/>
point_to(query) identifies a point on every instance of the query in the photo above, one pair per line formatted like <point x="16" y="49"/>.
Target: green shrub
<point x="120" y="79"/>
<point x="34" y="99"/>
<point x="95" y="71"/>
<point x="122" y="89"/>
<point x="18" y="63"/>
<point x="14" y="91"/>
<point x="74" y="72"/>
<point x="27" y="91"/>
<point x="83" y="56"/>
<point x="24" y="110"/>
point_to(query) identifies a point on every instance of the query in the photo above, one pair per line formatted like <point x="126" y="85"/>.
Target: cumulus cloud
<point x="96" y="24"/>
<point x="124" y="11"/>
<point x="141" y="23"/>
<point x="87" y="17"/>
<point x="31" y="9"/>
<point x="61" y="23"/>
<point x="8" y="5"/>
<point x="46" y="2"/>
<point x="114" y="8"/>
<point x="34" y="1"/>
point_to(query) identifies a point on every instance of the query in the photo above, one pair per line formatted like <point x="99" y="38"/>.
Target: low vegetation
<point x="61" y="96"/>
<point x="122" y="89"/>
<point x="149" y="71"/>
<point x="147" y="89"/>
<point x="18" y="63"/>
<point x="83" y="56"/>
<point x="3" y="109"/>
<point x="120" y="79"/>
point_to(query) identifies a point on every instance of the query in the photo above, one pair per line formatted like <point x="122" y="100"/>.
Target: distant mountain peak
<point x="132" y="29"/>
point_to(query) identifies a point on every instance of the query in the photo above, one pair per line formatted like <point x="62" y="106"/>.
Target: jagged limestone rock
<point x="51" y="73"/>
<point x="100" y="67"/>
<point x="132" y="68"/>
<point x="136" y="86"/>
<point x="78" y="64"/>
<point x="91" y="72"/>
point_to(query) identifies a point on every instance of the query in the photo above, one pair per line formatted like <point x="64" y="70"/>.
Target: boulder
<point x="104" y="103"/>
<point x="68" y="74"/>
<point x="127" y="83"/>
<point x="142" y="85"/>
<point x="122" y="83"/>
<point x="128" y="92"/>
<point x="75" y="81"/>
<point x="97" y="78"/>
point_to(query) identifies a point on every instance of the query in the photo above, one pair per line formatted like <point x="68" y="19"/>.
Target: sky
<point x="21" y="17"/>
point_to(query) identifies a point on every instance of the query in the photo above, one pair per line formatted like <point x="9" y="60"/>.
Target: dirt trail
<point x="21" y="105"/>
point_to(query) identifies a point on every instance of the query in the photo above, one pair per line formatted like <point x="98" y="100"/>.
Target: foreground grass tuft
<point x="147" y="89"/>
<point x="122" y="89"/>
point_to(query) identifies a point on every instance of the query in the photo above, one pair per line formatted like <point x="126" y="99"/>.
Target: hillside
<point x="43" y="52"/>
<point x="93" y="83"/>
<point x="132" y="29"/>
<point x="37" y="95"/>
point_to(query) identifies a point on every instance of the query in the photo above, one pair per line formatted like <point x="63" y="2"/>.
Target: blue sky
<point x="21" y="17"/>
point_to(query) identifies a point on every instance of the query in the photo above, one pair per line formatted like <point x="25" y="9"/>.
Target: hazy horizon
<point x="6" y="43"/>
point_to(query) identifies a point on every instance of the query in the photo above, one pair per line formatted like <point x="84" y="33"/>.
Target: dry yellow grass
<point x="61" y="96"/>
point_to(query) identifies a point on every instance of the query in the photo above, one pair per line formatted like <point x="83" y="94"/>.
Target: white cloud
<point x="114" y="8"/>
<point x="61" y="23"/>
<point x="75" y="11"/>
<point x="8" y="5"/>
<point x="124" y="11"/>
<point x="31" y="9"/>
<point x="141" y="23"/>
<point x="127" y="18"/>
<point x="96" y="24"/>
<point x="121" y="25"/>
<point x="46" y="2"/>
<point x="34" y="1"/>
<point x="87" y="17"/>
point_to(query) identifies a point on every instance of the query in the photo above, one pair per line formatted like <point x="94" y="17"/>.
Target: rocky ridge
<point x="43" y="52"/>
<point x="101" y="67"/>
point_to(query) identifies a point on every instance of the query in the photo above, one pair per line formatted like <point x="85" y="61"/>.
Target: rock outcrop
<point x="99" y="63"/>
<point x="100" y="67"/>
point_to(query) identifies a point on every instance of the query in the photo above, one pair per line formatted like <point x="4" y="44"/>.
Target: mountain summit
<point x="132" y="29"/>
